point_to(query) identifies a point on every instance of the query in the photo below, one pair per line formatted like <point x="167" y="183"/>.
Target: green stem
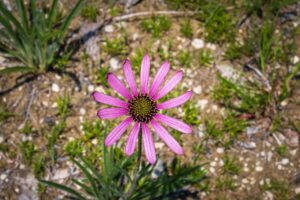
<point x="137" y="169"/>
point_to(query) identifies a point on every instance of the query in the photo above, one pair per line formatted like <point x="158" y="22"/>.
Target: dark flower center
<point x="142" y="108"/>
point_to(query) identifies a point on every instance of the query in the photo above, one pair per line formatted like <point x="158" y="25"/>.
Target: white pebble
<point x="1" y="139"/>
<point x="55" y="87"/>
<point x="285" y="161"/>
<point x="245" y="181"/>
<point x="109" y="28"/>
<point x="95" y="141"/>
<point x="295" y="59"/>
<point x="246" y="169"/>
<point x="220" y="150"/>
<point x="114" y="63"/>
<point x="202" y="103"/>
<point x="82" y="111"/>
<point x="297" y="190"/>
<point x="91" y="88"/>
<point x="221" y="163"/>
<point x="198" y="43"/>
<point x="3" y="177"/>
<point x="213" y="164"/>
<point x="198" y="89"/>
<point x="259" y="169"/>
<point x="212" y="170"/>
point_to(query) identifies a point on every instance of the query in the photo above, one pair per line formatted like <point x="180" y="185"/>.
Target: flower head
<point x="142" y="108"/>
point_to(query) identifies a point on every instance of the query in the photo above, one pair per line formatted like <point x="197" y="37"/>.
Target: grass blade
<point x="16" y="69"/>
<point x="64" y="188"/>
<point x="23" y="14"/>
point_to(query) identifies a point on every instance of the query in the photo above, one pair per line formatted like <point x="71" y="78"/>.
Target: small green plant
<point x="74" y="148"/>
<point x="136" y="59"/>
<point x="116" y="46"/>
<point x="186" y="28"/>
<point x="213" y="130"/>
<point x="282" y="149"/>
<point x="38" y="166"/>
<point x="226" y="183"/>
<point x="27" y="150"/>
<point x="231" y="166"/>
<point x="4" y="113"/>
<point x="90" y="12"/>
<point x="191" y="113"/>
<point x="204" y="57"/>
<point x="279" y="188"/>
<point x="52" y="139"/>
<point x="156" y="25"/>
<point x="101" y="76"/>
<point x="63" y="106"/>
<point x="34" y="37"/>
<point x="184" y="58"/>
<point x="234" y="51"/>
<point x="27" y="129"/>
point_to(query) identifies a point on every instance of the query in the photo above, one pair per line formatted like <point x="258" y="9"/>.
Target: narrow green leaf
<point x="23" y="14"/>
<point x="16" y="69"/>
<point x="68" y="19"/>
<point x="64" y="188"/>
<point x="52" y="13"/>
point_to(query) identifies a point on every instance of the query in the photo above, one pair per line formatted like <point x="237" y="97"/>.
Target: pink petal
<point x="132" y="139"/>
<point x="103" y="98"/>
<point x="148" y="144"/>
<point x="174" y="123"/>
<point x="169" y="85"/>
<point x="110" y="113"/>
<point x="117" y="85"/>
<point x="159" y="78"/>
<point x="116" y="133"/>
<point x="175" y="101"/>
<point x="145" y="68"/>
<point x="130" y="77"/>
<point x="166" y="137"/>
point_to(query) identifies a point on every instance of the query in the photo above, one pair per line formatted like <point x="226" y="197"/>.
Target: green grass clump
<point x="240" y="96"/>
<point x="156" y="25"/>
<point x="74" y="148"/>
<point x="101" y="76"/>
<point x="205" y="58"/>
<point x="186" y="28"/>
<point x="89" y="12"/>
<point x="231" y="165"/>
<point x="226" y="183"/>
<point x="191" y="113"/>
<point x="35" y="36"/>
<point x="116" y="46"/>
<point x="185" y="58"/>
<point x="63" y="106"/>
<point x="27" y="150"/>
<point x="279" y="188"/>
<point x="38" y="165"/>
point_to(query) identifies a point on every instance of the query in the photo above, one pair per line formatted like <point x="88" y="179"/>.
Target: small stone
<point x="3" y="177"/>
<point x="202" y="103"/>
<point x="227" y="70"/>
<point x="213" y="164"/>
<point x="252" y="130"/>
<point x="61" y="174"/>
<point x="211" y="46"/>
<point x="17" y="190"/>
<point x="248" y="145"/>
<point x="285" y="161"/>
<point x="198" y="89"/>
<point x="291" y="138"/>
<point x="55" y="87"/>
<point x="279" y="167"/>
<point x="158" y="169"/>
<point x="92" y="49"/>
<point x="82" y="111"/>
<point x="198" y="43"/>
<point x="296" y="59"/>
<point x="268" y="195"/>
<point x="114" y="63"/>
<point x="269" y="156"/>
<point x="95" y="141"/>
<point x="220" y="150"/>
<point x="54" y="105"/>
<point x="91" y="88"/>
<point x="221" y="163"/>
<point x="1" y="139"/>
<point x="245" y="181"/>
<point x="246" y="169"/>
<point x="135" y="36"/>
<point x="259" y="169"/>
<point x="212" y="170"/>
<point x="2" y="59"/>
<point x="109" y="28"/>
<point x="297" y="190"/>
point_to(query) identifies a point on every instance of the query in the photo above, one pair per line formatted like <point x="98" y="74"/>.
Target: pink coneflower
<point x="142" y="108"/>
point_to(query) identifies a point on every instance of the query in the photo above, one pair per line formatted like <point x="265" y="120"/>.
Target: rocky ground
<point x="247" y="155"/>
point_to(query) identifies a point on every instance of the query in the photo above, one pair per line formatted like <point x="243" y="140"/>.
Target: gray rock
<point x="158" y="169"/>
<point x="291" y="138"/>
<point x="227" y="71"/>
